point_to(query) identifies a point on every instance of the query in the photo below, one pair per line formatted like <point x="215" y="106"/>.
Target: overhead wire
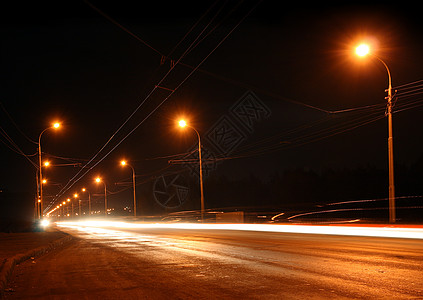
<point x="164" y="100"/>
<point x="16" y="125"/>
<point x="15" y="148"/>
<point x="156" y="86"/>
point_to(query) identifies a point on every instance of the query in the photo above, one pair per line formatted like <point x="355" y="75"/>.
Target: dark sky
<point x="62" y="60"/>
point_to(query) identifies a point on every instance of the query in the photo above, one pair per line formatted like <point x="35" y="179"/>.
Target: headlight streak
<point x="367" y="230"/>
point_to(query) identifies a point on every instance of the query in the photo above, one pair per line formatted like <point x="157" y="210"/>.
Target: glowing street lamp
<point x="123" y="164"/>
<point x="183" y="124"/>
<point x="56" y="125"/>
<point x="89" y="200"/>
<point x="363" y="50"/>
<point x="98" y="180"/>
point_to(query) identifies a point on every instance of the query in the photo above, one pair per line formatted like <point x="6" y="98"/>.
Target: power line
<point x="15" y="148"/>
<point x="156" y="86"/>
<point x="16" y="125"/>
<point x="161" y="103"/>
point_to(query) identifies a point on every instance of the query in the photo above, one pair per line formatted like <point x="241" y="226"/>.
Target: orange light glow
<point x="98" y="179"/>
<point x="182" y="123"/>
<point x="56" y="125"/>
<point x="123" y="162"/>
<point x="362" y="50"/>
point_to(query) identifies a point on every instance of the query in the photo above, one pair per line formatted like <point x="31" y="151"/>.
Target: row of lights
<point x="97" y="180"/>
<point x="124" y="163"/>
<point x="362" y="50"/>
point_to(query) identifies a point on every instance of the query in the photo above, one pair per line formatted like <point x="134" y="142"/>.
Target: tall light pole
<point x="68" y="200"/>
<point x="98" y="180"/>
<point x="40" y="177"/>
<point x="89" y="200"/>
<point x="124" y="163"/>
<point x="363" y="50"/>
<point x="183" y="123"/>
<point x="76" y="197"/>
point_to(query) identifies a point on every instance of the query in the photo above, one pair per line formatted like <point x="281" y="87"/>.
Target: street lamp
<point x="76" y="197"/>
<point x="89" y="200"/>
<point x="98" y="180"/>
<point x="54" y="126"/>
<point x="68" y="200"/>
<point x="183" y="124"/>
<point x="124" y="163"/>
<point x="363" y="50"/>
<point x="63" y="208"/>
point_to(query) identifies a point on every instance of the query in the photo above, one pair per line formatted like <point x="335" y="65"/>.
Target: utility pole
<point x="392" y="216"/>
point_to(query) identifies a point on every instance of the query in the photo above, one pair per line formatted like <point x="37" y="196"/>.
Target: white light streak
<point x="369" y="230"/>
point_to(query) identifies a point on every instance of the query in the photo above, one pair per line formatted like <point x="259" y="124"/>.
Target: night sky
<point x="63" y="60"/>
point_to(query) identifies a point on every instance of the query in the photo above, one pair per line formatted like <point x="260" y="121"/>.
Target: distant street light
<point x="124" y="163"/>
<point x="54" y="126"/>
<point x="98" y="180"/>
<point x="183" y="124"/>
<point x="68" y="200"/>
<point x="363" y="50"/>
<point x="76" y="197"/>
<point x="89" y="200"/>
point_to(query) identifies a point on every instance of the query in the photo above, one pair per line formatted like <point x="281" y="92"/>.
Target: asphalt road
<point x="114" y="263"/>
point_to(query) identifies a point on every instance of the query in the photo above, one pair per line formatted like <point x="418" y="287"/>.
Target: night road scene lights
<point x="229" y="138"/>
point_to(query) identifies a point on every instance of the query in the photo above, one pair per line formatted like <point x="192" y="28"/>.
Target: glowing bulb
<point x="362" y="50"/>
<point x="182" y="123"/>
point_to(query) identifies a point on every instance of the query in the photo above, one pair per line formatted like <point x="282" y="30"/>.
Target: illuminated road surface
<point x="158" y="262"/>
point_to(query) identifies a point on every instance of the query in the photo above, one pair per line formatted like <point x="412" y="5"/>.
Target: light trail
<point x="388" y="231"/>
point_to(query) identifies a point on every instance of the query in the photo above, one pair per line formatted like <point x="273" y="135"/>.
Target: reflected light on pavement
<point x="368" y="230"/>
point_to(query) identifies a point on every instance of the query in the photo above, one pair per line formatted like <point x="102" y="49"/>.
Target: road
<point x="165" y="263"/>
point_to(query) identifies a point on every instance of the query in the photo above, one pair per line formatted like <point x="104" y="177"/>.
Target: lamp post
<point x="63" y="209"/>
<point x="67" y="211"/>
<point x="89" y="200"/>
<point x="363" y="50"/>
<point x="182" y="124"/>
<point x="124" y="163"/>
<point x="40" y="178"/>
<point x="98" y="180"/>
<point x="76" y="197"/>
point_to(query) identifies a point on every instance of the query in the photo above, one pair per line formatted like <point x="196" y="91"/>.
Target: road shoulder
<point x="17" y="248"/>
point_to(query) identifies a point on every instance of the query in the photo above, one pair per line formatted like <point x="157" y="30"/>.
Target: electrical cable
<point x="161" y="103"/>
<point x="128" y="118"/>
